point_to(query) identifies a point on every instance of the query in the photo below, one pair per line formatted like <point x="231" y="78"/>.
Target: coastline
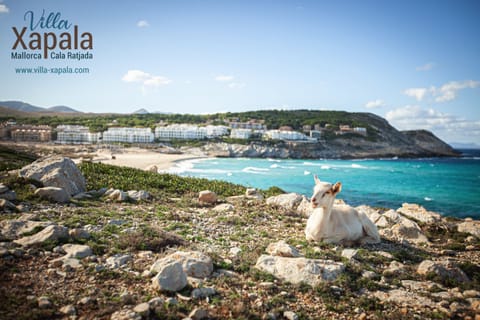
<point x="143" y="159"/>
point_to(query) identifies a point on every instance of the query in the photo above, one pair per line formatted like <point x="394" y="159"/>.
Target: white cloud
<point x="236" y="85"/>
<point x="446" y="92"/>
<point x="447" y="126"/>
<point x="4" y="8"/>
<point x="145" y="78"/>
<point x="143" y="24"/>
<point x="417" y="93"/>
<point x="224" y="78"/>
<point x="375" y="104"/>
<point x="426" y="67"/>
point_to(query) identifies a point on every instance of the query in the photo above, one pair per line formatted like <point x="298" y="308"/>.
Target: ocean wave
<point x="357" y="166"/>
<point x="255" y="170"/>
<point x="306" y="173"/>
<point x="274" y="166"/>
<point x="427" y="199"/>
<point x="325" y="167"/>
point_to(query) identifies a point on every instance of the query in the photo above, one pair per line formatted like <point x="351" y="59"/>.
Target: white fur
<point x="340" y="223"/>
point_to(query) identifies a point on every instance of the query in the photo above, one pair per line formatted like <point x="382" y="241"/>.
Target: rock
<point x="207" y="196"/>
<point x="403" y="298"/>
<point x="78" y="234"/>
<point x="68" y="310"/>
<point x="198" y="314"/>
<point x="282" y="249"/>
<point x="305" y="207"/>
<point x="78" y="251"/>
<point x="394" y="269"/>
<point x="287" y="201"/>
<point x="444" y="269"/>
<point x="298" y="270"/>
<point x="56" y="171"/>
<point x="195" y="264"/>
<point x="142" y="309"/>
<point x="82" y="196"/>
<point x="53" y="194"/>
<point x="12" y="229"/>
<point x="253" y="193"/>
<point x="118" y="260"/>
<point x="234" y="252"/>
<point x="290" y="315"/>
<point x="170" y="276"/>
<point x="224" y="207"/>
<point x="405" y="229"/>
<point x="51" y="233"/>
<point x="44" y="302"/>
<point x="3" y="188"/>
<point x="141" y="195"/>
<point x="421" y="286"/>
<point x="117" y="195"/>
<point x="200" y="293"/>
<point x="156" y="302"/>
<point x="69" y="264"/>
<point x="369" y="274"/>
<point x="471" y="227"/>
<point x="419" y="213"/>
<point x="86" y="301"/>
<point x="9" y="195"/>
<point x="125" y="314"/>
<point x="6" y="205"/>
<point x="349" y="253"/>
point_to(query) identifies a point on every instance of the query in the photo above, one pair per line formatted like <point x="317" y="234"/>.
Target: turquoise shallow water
<point x="448" y="186"/>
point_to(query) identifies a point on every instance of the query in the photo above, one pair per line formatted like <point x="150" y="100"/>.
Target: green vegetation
<point x="100" y="175"/>
<point x="272" y="118"/>
<point x="11" y="159"/>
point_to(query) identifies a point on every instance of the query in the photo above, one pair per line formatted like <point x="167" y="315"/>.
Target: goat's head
<point x="324" y="193"/>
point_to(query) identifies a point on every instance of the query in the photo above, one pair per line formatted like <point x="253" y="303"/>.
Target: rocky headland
<point x="121" y="243"/>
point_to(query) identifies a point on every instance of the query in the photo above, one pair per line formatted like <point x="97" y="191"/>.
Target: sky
<point x="416" y="63"/>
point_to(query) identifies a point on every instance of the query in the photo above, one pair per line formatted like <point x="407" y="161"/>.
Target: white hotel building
<point x="189" y="132"/>
<point x="284" y="135"/>
<point x="241" y="133"/>
<point x="76" y="134"/>
<point x="128" y="134"/>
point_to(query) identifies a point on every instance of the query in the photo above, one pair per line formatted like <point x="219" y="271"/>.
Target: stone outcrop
<point x="50" y="233"/>
<point x="444" y="269"/>
<point x="300" y="270"/>
<point x="56" y="171"/>
<point x="288" y="201"/>
<point x="170" y="276"/>
<point x="53" y="194"/>
<point x="207" y="196"/>
<point x="470" y="226"/>
<point x="418" y="213"/>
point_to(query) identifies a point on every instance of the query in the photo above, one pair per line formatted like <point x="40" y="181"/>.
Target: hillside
<point x="26" y="107"/>
<point x="109" y="257"/>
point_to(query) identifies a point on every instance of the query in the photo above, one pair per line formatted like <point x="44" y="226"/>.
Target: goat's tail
<point x="370" y="229"/>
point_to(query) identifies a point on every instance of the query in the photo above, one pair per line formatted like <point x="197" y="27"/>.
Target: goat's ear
<point x="337" y="187"/>
<point x="315" y="177"/>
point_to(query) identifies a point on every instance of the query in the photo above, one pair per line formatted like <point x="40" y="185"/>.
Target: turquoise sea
<point x="449" y="186"/>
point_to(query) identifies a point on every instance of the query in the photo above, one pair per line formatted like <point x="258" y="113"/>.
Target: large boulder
<point x="56" y="171"/>
<point x="418" y="213"/>
<point x="207" y="196"/>
<point x="13" y="229"/>
<point x="51" y="233"/>
<point x="300" y="270"/>
<point x="195" y="264"/>
<point x="53" y="194"/>
<point x="140" y="195"/>
<point x="444" y="269"/>
<point x="170" y="276"/>
<point x="288" y="201"/>
<point x="470" y="226"/>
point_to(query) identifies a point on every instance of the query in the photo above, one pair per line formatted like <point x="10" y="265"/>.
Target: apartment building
<point x="128" y="134"/>
<point x="76" y="134"/>
<point x="31" y="133"/>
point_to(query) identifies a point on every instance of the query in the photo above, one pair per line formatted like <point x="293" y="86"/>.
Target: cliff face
<point x="382" y="141"/>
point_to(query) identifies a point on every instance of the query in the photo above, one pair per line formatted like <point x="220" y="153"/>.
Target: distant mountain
<point x="26" y="107"/>
<point x="141" y="111"/>
<point x="21" y="106"/>
<point x="62" y="109"/>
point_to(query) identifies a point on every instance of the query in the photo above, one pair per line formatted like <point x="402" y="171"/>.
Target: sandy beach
<point x="142" y="158"/>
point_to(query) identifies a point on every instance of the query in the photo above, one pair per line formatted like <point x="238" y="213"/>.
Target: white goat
<point x="339" y="223"/>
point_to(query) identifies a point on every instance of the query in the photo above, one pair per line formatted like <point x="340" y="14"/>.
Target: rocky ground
<point x="125" y="254"/>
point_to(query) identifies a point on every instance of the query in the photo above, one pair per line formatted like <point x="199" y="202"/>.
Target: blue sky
<point x="416" y="63"/>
